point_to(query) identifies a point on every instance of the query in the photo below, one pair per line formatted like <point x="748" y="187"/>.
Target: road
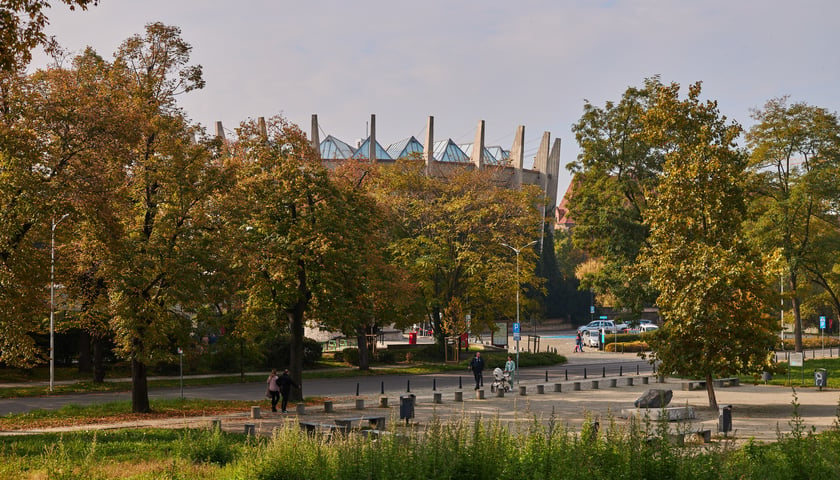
<point x="591" y="365"/>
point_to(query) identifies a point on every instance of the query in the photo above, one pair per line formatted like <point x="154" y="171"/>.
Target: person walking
<point x="284" y="384"/>
<point x="273" y="391"/>
<point x="510" y="368"/>
<point x="578" y="343"/>
<point x="477" y="367"/>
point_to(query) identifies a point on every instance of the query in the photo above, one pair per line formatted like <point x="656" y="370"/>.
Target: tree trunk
<point x="797" y="316"/>
<point x="710" y="390"/>
<point x="84" y="352"/>
<point x="364" y="353"/>
<point x="296" y="350"/>
<point x="98" y="360"/>
<point x="139" y="388"/>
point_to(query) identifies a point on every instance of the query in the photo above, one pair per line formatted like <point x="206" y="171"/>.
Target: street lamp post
<point x="517" y="250"/>
<point x="52" y="299"/>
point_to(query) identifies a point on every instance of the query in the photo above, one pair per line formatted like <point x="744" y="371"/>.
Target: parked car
<point x="590" y="338"/>
<point x="647" y="327"/>
<point x="597" y="325"/>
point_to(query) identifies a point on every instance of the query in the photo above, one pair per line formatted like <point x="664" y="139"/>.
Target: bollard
<point x="576" y="386"/>
<point x="558" y="387"/>
<point x="546" y="376"/>
<point x="604" y="372"/>
<point x="408" y="386"/>
<point x="381" y="388"/>
<point x="383" y="401"/>
<point x="584" y="373"/>
<point x="250" y="429"/>
<point x="522" y="390"/>
<point x="500" y="392"/>
<point x="629" y="381"/>
<point x="479" y="394"/>
<point x="567" y="375"/>
<point x="540" y="389"/>
<point x="255" y="411"/>
<point x="434" y="384"/>
<point x="328" y="406"/>
<point x="357" y="389"/>
<point x="645" y="380"/>
<point x="360" y="404"/>
<point x="620" y="370"/>
<point x="459" y="396"/>
<point x="637" y="369"/>
<point x="216" y="425"/>
<point x="595" y="384"/>
<point x="460" y="386"/>
<point x="613" y="382"/>
<point x="438" y="397"/>
<point x="301" y="408"/>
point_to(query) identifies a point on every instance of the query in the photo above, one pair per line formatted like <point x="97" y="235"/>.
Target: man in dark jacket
<point x="477" y="366"/>
<point x="285" y="383"/>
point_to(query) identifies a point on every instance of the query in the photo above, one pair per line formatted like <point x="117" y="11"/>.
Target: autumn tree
<point x="712" y="290"/>
<point x="615" y="175"/>
<point x="796" y="153"/>
<point x="451" y="237"/>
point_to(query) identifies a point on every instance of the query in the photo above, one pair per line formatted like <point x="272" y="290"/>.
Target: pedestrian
<point x="477" y="367"/>
<point x="273" y="391"/>
<point x="578" y="343"/>
<point x="510" y="368"/>
<point x="285" y="383"/>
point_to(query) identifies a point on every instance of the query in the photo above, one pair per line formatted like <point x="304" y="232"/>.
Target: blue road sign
<point x="516" y="331"/>
<point x="822" y="322"/>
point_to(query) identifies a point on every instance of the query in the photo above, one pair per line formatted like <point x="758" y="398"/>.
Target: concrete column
<point x="300" y="408"/>
<point x="479" y="394"/>
<point x="540" y="389"/>
<point x="383" y="401"/>
<point x="459" y="396"/>
<point x="328" y="406"/>
<point x="437" y="397"/>
<point x="541" y="160"/>
<point x="250" y="429"/>
<point x="255" y="412"/>
<point x="315" y="136"/>
<point x="500" y="392"/>
<point x="553" y="172"/>
<point x="360" y="404"/>
<point x="220" y="131"/>
<point x="517" y="155"/>
<point x="523" y="390"/>
<point x="429" y="146"/>
<point x="477" y="157"/>
<point x="558" y="387"/>
<point x="372" y="145"/>
<point x="263" y="129"/>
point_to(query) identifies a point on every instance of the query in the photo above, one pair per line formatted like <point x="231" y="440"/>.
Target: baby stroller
<point x="501" y="380"/>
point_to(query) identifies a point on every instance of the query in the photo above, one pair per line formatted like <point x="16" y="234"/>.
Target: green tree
<point x="712" y="291"/>
<point x="301" y="236"/>
<point x="796" y="153"/>
<point x="451" y="236"/>
<point x="616" y="173"/>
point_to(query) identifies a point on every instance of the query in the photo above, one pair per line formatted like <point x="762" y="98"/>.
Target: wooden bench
<point x="378" y="422"/>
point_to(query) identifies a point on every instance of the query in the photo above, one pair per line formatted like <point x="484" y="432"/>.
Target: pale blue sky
<point x="528" y="62"/>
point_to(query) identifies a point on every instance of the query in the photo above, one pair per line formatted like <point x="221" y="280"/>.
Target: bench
<point x="727" y="382"/>
<point x="378" y="422"/>
<point x="694" y="385"/>
<point x="312" y="427"/>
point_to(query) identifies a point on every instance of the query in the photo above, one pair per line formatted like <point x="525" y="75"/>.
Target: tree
<point x="451" y="236"/>
<point x="301" y="237"/>
<point x="712" y="291"/>
<point x="22" y="24"/>
<point x="148" y="242"/>
<point x="616" y="173"/>
<point x="796" y="153"/>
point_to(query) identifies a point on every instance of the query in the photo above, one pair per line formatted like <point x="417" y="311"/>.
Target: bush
<point x="351" y="356"/>
<point x="202" y="446"/>
<point x="386" y="356"/>
<point x="277" y="351"/>
<point x="627" y="347"/>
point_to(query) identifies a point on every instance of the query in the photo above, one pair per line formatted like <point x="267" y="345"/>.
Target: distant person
<point x="285" y="384"/>
<point x="510" y="368"/>
<point x="477" y="367"/>
<point x="578" y="343"/>
<point x="273" y="391"/>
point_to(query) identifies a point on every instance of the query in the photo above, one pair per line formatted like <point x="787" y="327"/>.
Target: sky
<point x="509" y="63"/>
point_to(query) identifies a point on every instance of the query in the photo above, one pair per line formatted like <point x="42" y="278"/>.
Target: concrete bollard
<point x="216" y="425"/>
<point x="479" y="394"/>
<point x="383" y="401"/>
<point x="645" y="380"/>
<point x="250" y="429"/>
<point x="255" y="412"/>
<point x="328" y="406"/>
<point x="360" y="404"/>
<point x="558" y="387"/>
<point x="629" y="381"/>
<point x="576" y="386"/>
<point x="540" y="389"/>
<point x="300" y="408"/>
<point x="522" y="390"/>
<point x="437" y="397"/>
<point x="595" y="384"/>
<point x="459" y="396"/>
<point x="613" y="383"/>
<point x="500" y="392"/>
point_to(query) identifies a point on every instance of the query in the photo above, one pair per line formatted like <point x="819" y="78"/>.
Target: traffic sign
<point x="516" y="331"/>
<point x="822" y="322"/>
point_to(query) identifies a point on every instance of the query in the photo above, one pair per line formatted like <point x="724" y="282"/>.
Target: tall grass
<point x="469" y="448"/>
